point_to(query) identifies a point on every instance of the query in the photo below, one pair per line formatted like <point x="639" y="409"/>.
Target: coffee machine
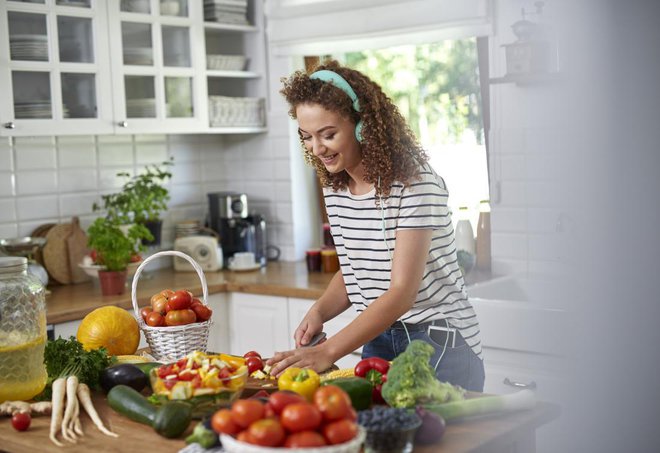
<point x="239" y="231"/>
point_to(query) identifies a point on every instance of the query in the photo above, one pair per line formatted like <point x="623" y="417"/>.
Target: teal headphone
<point x="332" y="77"/>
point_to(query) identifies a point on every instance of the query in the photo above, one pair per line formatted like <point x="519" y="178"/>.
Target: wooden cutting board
<point x="77" y="248"/>
<point x="56" y="253"/>
<point x="40" y="232"/>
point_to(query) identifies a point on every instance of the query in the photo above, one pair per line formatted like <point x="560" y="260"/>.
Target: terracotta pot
<point x="113" y="283"/>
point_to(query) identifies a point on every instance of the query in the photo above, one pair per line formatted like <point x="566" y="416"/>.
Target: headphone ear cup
<point x="358" y="131"/>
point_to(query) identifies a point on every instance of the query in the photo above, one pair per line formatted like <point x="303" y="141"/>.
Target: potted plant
<point x="141" y="199"/>
<point x="115" y="250"/>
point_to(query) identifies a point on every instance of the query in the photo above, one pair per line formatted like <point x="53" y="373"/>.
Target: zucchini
<point x="359" y="390"/>
<point x="169" y="420"/>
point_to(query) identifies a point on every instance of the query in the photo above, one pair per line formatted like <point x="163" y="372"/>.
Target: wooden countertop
<point x="286" y="279"/>
<point x="511" y="432"/>
<point x="281" y="278"/>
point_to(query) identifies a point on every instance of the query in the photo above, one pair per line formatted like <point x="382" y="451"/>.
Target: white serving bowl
<point x="354" y="445"/>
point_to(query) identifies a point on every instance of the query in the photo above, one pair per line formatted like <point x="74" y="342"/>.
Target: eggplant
<point x="124" y="374"/>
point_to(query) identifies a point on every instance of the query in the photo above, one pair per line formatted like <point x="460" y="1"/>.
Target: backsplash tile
<point x="30" y="208"/>
<point x="6" y="184"/>
<point x="36" y="182"/>
<point x="7" y="210"/>
<point x="6" y="155"/>
<point x="77" y="180"/>
<point x="108" y="179"/>
<point x="115" y="150"/>
<point x="77" y="204"/>
<point x="150" y="149"/>
<point x="76" y="152"/>
<point x="35" y="154"/>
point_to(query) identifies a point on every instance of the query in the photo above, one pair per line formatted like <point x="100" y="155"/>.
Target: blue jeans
<point x="459" y="365"/>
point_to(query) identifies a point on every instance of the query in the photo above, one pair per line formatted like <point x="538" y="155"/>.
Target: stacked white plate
<point x="33" y="109"/>
<point x="226" y="11"/>
<point x="187" y="228"/>
<point x="29" y="47"/>
<point x="141" y="108"/>
<point x="138" y="55"/>
<point x="76" y="3"/>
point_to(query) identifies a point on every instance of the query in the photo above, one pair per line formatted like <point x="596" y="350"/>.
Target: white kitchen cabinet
<point x="125" y="67"/>
<point x="54" y="68"/>
<point x="219" y="333"/>
<point x="297" y="310"/>
<point x="258" y="323"/>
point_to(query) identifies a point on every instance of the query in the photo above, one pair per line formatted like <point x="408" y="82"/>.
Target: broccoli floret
<point x="411" y="379"/>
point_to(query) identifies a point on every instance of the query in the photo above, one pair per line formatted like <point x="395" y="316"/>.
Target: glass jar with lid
<point x="22" y="331"/>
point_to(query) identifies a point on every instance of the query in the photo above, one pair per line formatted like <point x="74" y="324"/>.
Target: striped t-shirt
<point x="357" y="229"/>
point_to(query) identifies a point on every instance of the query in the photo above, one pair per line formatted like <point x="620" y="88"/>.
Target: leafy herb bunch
<point x="114" y="248"/>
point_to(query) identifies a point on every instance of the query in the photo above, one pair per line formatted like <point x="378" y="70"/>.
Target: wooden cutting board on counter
<point x="77" y="249"/>
<point x="56" y="253"/>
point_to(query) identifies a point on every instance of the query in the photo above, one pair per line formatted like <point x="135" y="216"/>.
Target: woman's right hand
<point x="308" y="327"/>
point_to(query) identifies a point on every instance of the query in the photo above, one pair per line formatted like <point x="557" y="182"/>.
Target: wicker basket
<point x="171" y="343"/>
<point x="236" y="111"/>
<point x="226" y="62"/>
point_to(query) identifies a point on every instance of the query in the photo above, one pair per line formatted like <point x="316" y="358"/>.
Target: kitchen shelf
<point x="232" y="74"/>
<point x="527" y="79"/>
<point x="230" y="27"/>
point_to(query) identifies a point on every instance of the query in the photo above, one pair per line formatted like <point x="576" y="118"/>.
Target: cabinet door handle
<point x="123" y="124"/>
<point x="10" y="125"/>
<point x="519" y="385"/>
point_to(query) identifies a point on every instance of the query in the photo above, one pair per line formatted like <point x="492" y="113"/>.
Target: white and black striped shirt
<point x="357" y="230"/>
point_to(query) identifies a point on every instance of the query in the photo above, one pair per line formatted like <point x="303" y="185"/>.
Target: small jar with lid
<point x="22" y="331"/>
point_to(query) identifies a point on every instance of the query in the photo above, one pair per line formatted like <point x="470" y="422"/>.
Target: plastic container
<point x="22" y="331"/>
<point x="391" y="441"/>
<point x="329" y="260"/>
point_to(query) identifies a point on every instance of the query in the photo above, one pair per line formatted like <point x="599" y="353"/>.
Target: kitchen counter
<point x="502" y="433"/>
<point x="285" y="279"/>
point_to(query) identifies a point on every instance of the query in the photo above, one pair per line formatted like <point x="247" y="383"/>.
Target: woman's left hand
<point x="314" y="357"/>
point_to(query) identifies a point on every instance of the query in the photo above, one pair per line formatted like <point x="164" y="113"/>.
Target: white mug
<point x="241" y="260"/>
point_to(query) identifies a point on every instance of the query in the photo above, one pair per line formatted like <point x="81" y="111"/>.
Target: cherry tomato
<point x="244" y="436"/>
<point x="251" y="354"/>
<point x="180" y="317"/>
<point x="164" y="294"/>
<point x="195" y="301"/>
<point x="340" y="431"/>
<point x="305" y="439"/>
<point x="144" y="311"/>
<point x="202" y="312"/>
<point x="267" y="432"/>
<point x="165" y="371"/>
<point x="155" y="319"/>
<point x="21" y="421"/>
<point x="244" y="412"/>
<point x="222" y="422"/>
<point x="135" y="258"/>
<point x="159" y="305"/>
<point x="282" y="398"/>
<point x="180" y="300"/>
<point x="333" y="402"/>
<point x="300" y="417"/>
<point x="254" y="364"/>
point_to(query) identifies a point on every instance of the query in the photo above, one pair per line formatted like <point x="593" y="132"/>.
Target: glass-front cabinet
<point x="159" y="82"/>
<point x="54" y="69"/>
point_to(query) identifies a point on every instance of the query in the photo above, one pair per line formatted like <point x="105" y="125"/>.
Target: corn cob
<point x="343" y="372"/>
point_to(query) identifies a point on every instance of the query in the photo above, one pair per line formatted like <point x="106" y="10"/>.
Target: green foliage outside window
<point x="435" y="86"/>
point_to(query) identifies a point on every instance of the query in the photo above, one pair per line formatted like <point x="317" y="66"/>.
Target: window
<point x="436" y="88"/>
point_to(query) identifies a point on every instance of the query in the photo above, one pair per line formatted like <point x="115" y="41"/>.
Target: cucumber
<point x="169" y="420"/>
<point x="358" y="389"/>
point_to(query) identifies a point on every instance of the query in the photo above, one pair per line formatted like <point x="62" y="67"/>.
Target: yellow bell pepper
<point x="302" y="381"/>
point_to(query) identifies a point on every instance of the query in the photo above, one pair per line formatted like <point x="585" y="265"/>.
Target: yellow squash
<point x="112" y="328"/>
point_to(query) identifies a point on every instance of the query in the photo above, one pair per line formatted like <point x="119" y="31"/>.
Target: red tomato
<point x="187" y="375"/>
<point x="352" y="415"/>
<point x="282" y="398"/>
<point x="202" y="311"/>
<point x="340" y="431"/>
<point x="169" y="383"/>
<point x="155" y="319"/>
<point x="245" y="412"/>
<point x="305" y="439"/>
<point x="180" y="300"/>
<point x="251" y="354"/>
<point x="254" y="364"/>
<point x="21" y="421"/>
<point x="267" y="432"/>
<point x="135" y="258"/>
<point x="195" y="301"/>
<point x="301" y="417"/>
<point x="244" y="436"/>
<point x="180" y="317"/>
<point x="165" y="371"/>
<point x="144" y="311"/>
<point x="222" y="422"/>
<point x="159" y="304"/>
<point x="333" y="402"/>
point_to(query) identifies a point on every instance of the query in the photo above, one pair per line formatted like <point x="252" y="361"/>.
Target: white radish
<point x="71" y="401"/>
<point x="86" y="401"/>
<point x="59" y="388"/>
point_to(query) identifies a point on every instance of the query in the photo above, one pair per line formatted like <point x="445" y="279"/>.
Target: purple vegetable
<point x="432" y="429"/>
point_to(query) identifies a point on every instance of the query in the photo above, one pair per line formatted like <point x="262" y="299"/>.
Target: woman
<point x="392" y="229"/>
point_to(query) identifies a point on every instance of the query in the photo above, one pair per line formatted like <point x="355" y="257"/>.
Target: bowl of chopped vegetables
<point x="208" y="381"/>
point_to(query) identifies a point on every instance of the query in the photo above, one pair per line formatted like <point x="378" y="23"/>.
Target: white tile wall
<point x="51" y="179"/>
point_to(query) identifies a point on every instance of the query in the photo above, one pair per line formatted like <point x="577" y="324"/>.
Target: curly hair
<point x="389" y="148"/>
